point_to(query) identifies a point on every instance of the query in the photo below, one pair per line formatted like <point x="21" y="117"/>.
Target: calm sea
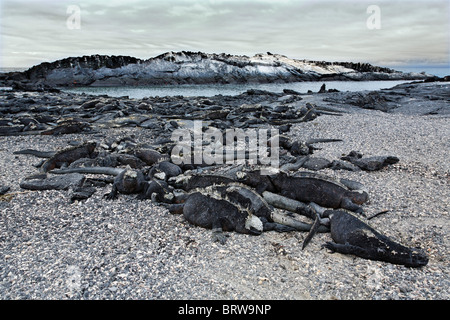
<point x="229" y="89"/>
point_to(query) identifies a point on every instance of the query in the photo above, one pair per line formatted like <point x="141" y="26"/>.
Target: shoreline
<point x="131" y="249"/>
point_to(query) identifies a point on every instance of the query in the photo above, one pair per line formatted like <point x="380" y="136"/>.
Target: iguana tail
<point x="92" y="170"/>
<point x="311" y="141"/>
<point x="36" y="153"/>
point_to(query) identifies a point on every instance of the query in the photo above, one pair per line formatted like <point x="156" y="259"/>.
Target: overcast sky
<point x="411" y="32"/>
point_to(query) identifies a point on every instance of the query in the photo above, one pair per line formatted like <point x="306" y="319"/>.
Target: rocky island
<point x="198" y="68"/>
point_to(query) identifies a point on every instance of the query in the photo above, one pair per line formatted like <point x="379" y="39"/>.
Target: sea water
<point x="209" y="90"/>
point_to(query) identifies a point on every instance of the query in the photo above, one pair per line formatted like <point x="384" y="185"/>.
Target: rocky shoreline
<point x="132" y="249"/>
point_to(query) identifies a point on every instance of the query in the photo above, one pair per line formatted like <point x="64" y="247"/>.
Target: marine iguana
<point x="42" y="182"/>
<point x="304" y="148"/>
<point x="68" y="155"/>
<point x="308" y="187"/>
<point x="102" y="160"/>
<point x="248" y="200"/>
<point x="246" y="197"/>
<point x="297" y="147"/>
<point x="369" y="163"/>
<point x="109" y="160"/>
<point x="128" y="181"/>
<point x="164" y="170"/>
<point x="220" y="215"/>
<point x="149" y="156"/>
<point x="68" y="126"/>
<point x="190" y="182"/>
<point x="158" y="191"/>
<point x="351" y="235"/>
<point x="305" y="187"/>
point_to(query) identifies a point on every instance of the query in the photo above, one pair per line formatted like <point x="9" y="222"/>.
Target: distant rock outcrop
<point x="200" y="68"/>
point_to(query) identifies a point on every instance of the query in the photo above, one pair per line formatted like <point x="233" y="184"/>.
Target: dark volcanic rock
<point x="3" y="189"/>
<point x="77" y="65"/>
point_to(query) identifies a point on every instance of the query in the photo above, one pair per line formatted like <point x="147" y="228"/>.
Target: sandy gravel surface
<point x="130" y="249"/>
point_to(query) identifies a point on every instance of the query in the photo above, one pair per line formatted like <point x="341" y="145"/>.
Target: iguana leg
<point x="219" y="235"/>
<point x="144" y="194"/>
<point x="113" y="194"/>
<point x="260" y="188"/>
<point x="38" y="165"/>
<point x="176" y="208"/>
<point x="273" y="226"/>
<point x="346" y="203"/>
<point x="141" y="196"/>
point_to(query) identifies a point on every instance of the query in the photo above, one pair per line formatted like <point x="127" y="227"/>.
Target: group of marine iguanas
<point x="240" y="197"/>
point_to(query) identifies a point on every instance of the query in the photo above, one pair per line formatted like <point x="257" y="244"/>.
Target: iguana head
<point x="414" y="257"/>
<point x="254" y="225"/>
<point x="359" y="196"/>
<point x="130" y="174"/>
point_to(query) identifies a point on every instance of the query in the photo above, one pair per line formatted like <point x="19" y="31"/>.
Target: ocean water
<point x="17" y="69"/>
<point x="210" y="90"/>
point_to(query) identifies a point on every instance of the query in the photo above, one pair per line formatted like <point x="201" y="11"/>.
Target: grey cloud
<point x="322" y="30"/>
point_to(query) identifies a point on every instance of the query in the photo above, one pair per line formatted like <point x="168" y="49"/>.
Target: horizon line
<point x="396" y="64"/>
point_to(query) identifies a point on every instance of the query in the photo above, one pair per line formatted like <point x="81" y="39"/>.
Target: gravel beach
<point x="130" y="249"/>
